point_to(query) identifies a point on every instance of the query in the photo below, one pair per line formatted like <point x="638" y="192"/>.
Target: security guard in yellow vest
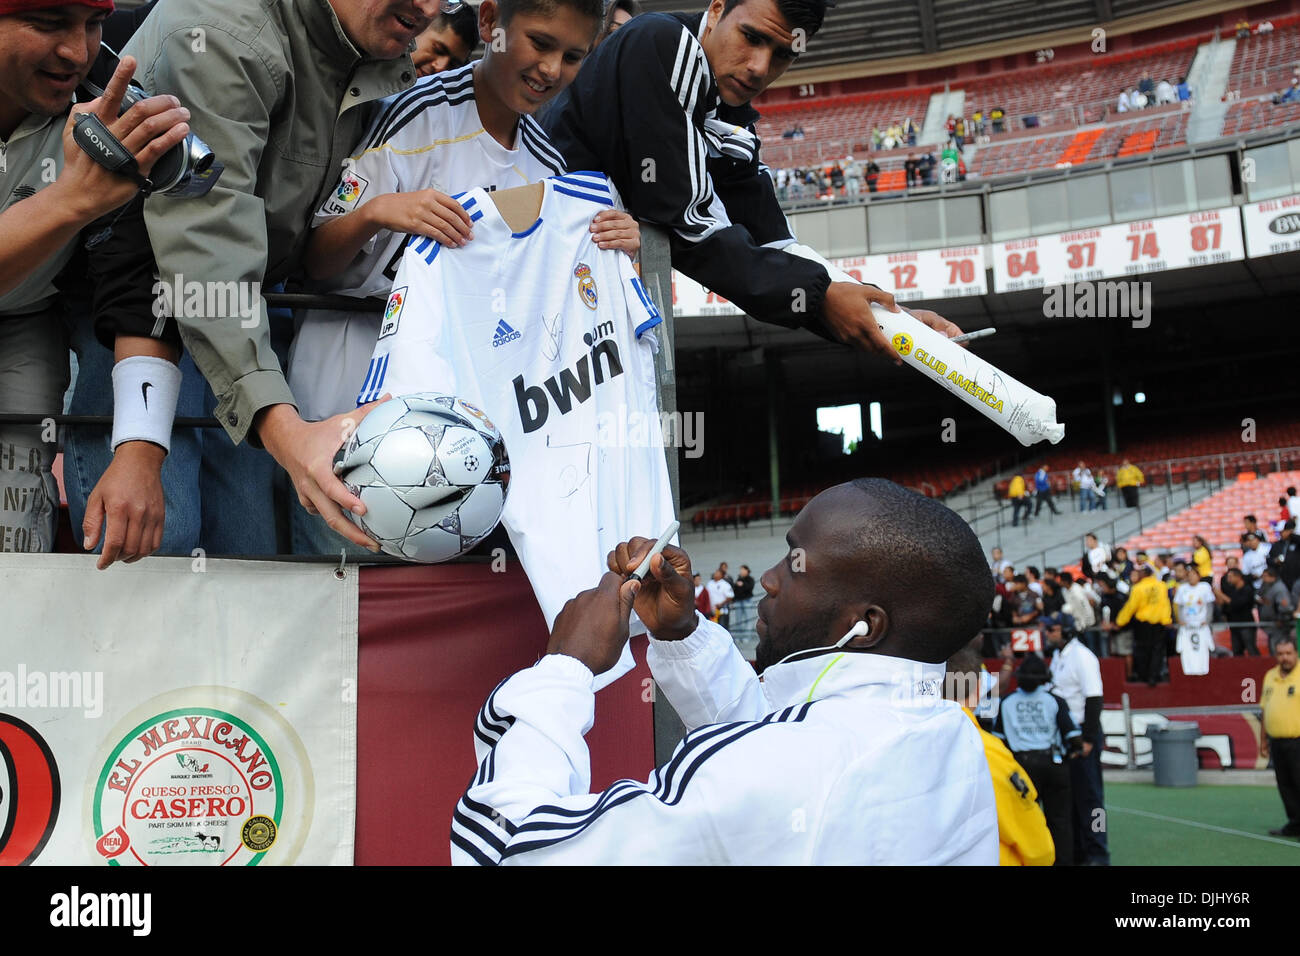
<point x="1023" y="837"/>
<point x="1019" y="498"/>
<point x="1281" y="736"/>
<point x="1149" y="609"/>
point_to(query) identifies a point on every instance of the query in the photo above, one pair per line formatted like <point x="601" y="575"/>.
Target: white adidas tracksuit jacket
<point x="843" y="758"/>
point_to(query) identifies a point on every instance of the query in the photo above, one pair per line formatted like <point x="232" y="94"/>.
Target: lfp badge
<point x="350" y="188"/>
<point x="393" y="312"/>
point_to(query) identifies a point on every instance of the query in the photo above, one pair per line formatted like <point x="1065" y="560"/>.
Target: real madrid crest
<point x="586" y="285"/>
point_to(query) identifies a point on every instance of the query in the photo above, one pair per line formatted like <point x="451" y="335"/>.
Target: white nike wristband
<point x="145" y="390"/>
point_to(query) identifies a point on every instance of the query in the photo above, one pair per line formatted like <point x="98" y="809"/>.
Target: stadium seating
<point x="835" y="127"/>
<point x="1249" y="116"/>
<point x="1079" y="146"/>
<point x="1265" y="62"/>
<point x="935" y="481"/>
<point x="1151" y="130"/>
<point x="1140" y="142"/>
<point x="1218" y="519"/>
<point x="1174" y="459"/>
<point x="1065" y="94"/>
<point x="1067" y="98"/>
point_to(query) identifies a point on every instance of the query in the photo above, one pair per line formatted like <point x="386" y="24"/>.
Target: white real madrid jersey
<point x="428" y="137"/>
<point x="1195" y="604"/>
<point x="549" y="336"/>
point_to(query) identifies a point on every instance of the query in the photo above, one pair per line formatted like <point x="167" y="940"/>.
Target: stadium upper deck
<point x="1048" y="94"/>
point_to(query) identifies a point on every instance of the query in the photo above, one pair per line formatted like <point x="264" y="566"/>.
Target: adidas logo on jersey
<point x="570" y="387"/>
<point x="503" y="334"/>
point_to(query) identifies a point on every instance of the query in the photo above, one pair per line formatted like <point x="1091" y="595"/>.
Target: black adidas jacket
<point x="645" y="110"/>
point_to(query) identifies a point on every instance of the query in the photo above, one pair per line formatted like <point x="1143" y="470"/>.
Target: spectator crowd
<point x="1155" y="605"/>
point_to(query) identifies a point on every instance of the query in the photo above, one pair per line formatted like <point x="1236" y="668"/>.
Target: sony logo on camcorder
<point x="103" y="147"/>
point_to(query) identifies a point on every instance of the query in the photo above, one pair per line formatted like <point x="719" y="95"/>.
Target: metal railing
<point x="1139" y="520"/>
<point x="1001" y="636"/>
<point x="1221" y="462"/>
<point x="656" y="273"/>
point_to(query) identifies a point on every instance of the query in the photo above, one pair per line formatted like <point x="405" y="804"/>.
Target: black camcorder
<point x="187" y="170"/>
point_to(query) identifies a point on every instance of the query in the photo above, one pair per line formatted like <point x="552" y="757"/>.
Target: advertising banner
<point x="177" y="711"/>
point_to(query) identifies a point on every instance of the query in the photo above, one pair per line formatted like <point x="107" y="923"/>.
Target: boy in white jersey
<point x="1194" y="602"/>
<point x="445" y="135"/>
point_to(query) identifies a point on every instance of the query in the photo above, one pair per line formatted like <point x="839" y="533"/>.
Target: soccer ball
<point x="432" y="472"/>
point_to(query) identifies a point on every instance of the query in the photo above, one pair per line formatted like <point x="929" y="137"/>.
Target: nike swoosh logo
<point x="144" y="390"/>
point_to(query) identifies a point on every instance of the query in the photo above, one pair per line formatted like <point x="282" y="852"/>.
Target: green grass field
<point x="1196" y="826"/>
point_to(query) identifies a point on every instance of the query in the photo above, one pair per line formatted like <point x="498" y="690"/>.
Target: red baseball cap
<point x="8" y="7"/>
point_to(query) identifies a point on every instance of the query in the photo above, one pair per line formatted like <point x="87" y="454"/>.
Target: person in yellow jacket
<point x="1023" y="837"/>
<point x="1202" y="558"/>
<point x="1016" y="492"/>
<point x="1127" y="479"/>
<point x="1149" y="609"/>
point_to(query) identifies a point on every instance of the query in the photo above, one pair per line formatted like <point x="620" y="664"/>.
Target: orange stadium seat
<point x="1079" y="146"/>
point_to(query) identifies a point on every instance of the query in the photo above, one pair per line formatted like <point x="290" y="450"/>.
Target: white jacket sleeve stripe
<point x="662" y="777"/>
<point x="480" y="831"/>
<point x="490" y="724"/>
<point x="688" y="760"/>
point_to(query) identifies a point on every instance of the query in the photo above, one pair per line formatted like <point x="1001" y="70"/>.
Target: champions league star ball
<point x="432" y="472"/>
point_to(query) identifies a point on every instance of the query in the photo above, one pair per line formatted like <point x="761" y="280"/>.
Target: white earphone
<point x="861" y="629"/>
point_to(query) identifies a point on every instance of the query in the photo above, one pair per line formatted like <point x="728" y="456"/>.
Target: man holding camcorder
<point x="50" y="188"/>
<point x="282" y="92"/>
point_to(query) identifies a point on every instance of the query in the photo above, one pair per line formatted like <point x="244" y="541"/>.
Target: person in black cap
<point x="1285" y="555"/>
<point x="1035" y="724"/>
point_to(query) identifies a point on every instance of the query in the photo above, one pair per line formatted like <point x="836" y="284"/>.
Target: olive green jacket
<point x="282" y="96"/>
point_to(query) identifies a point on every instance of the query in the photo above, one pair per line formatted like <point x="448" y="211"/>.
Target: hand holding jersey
<point x="425" y="213"/>
<point x="616" y="229"/>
